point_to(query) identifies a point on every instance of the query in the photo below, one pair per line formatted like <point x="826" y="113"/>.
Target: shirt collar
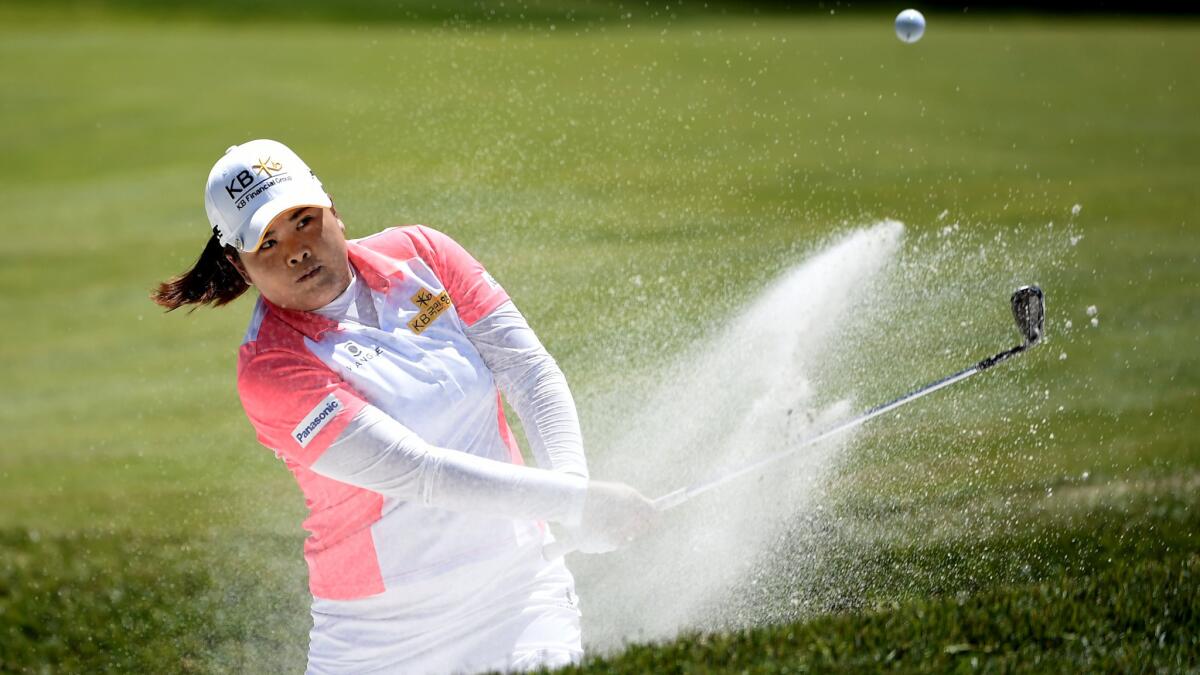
<point x="309" y="324"/>
<point x="376" y="269"/>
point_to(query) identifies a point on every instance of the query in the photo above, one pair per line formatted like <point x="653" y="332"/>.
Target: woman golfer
<point x="373" y="368"/>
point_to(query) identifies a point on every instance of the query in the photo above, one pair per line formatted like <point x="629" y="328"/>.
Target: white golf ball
<point x="910" y="25"/>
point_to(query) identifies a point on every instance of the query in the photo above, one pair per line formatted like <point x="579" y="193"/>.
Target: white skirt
<point x="515" y="614"/>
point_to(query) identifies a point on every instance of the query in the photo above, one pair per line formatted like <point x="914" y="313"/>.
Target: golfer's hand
<point x="614" y="514"/>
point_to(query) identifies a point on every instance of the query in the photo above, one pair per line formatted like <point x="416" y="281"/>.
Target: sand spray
<point x="870" y="315"/>
<point x="741" y="394"/>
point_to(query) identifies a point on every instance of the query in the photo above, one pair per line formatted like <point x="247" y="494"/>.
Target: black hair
<point x="212" y="280"/>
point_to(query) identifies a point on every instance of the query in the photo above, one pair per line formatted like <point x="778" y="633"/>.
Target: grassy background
<point x="141" y="528"/>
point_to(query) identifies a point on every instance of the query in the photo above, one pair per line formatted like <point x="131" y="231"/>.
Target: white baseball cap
<point x="253" y="183"/>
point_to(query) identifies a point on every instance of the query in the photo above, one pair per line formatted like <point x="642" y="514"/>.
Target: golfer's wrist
<point x="576" y="499"/>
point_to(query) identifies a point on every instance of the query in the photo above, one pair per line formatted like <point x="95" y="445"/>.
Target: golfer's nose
<point x="298" y="256"/>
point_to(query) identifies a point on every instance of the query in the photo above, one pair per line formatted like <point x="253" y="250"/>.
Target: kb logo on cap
<point x="267" y="167"/>
<point x="245" y="179"/>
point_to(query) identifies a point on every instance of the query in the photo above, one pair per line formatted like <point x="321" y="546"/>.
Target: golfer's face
<point x="301" y="263"/>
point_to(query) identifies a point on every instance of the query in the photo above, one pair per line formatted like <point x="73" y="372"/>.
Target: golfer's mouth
<point x="309" y="274"/>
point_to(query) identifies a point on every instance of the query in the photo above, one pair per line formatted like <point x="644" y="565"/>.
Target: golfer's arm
<point x="377" y="453"/>
<point x="535" y="387"/>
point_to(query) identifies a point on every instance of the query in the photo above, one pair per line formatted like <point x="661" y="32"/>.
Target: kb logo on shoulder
<point x="430" y="305"/>
<point x="245" y="186"/>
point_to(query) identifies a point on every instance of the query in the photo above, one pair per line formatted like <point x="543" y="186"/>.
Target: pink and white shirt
<point x="390" y="418"/>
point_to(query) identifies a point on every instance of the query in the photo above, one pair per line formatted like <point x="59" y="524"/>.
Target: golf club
<point x="1029" y="312"/>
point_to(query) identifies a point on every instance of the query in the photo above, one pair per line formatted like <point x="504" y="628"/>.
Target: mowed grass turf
<point x="627" y="181"/>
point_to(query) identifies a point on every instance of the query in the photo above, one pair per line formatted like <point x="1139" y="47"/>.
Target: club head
<point x="1029" y="311"/>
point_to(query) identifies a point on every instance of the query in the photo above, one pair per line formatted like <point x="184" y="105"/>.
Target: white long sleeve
<point x="378" y="453"/>
<point x="535" y="387"/>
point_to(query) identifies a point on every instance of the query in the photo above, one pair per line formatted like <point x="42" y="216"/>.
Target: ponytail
<point x="212" y="280"/>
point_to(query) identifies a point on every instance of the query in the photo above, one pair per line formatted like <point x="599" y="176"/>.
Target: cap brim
<point x="267" y="212"/>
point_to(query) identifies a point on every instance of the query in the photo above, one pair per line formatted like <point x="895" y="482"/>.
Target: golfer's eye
<point x="303" y="222"/>
<point x="270" y="243"/>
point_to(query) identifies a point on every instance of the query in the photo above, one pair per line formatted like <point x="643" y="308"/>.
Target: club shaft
<point x="677" y="497"/>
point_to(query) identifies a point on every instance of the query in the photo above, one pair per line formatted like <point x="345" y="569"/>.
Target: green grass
<point x="1132" y="620"/>
<point x="141" y="527"/>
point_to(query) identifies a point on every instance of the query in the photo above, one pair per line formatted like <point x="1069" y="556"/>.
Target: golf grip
<point x="556" y="550"/>
<point x="670" y="500"/>
<point x="677" y="497"/>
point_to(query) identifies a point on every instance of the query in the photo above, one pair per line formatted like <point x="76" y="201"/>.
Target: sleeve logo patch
<point x="431" y="306"/>
<point x="316" y="419"/>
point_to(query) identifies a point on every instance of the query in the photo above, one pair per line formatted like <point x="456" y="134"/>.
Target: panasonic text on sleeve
<point x="316" y="419"/>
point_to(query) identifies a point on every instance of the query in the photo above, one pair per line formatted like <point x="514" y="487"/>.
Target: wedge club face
<point x="1029" y="311"/>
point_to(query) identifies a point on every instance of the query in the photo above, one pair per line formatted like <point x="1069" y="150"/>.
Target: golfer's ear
<point x="333" y="210"/>
<point x="237" y="265"/>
